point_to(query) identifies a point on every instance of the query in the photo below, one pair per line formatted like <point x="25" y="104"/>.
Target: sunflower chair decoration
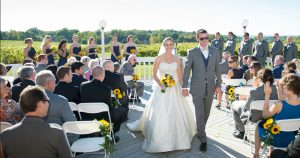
<point x="269" y="128"/>
<point x="117" y="95"/>
<point x="230" y="96"/>
<point x="104" y="128"/>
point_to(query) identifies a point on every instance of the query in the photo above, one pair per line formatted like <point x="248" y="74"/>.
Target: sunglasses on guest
<point x="203" y="38"/>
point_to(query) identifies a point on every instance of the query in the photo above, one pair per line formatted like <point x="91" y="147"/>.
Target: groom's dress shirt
<point x="204" y="51"/>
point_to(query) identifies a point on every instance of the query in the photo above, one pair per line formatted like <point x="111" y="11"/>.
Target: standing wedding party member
<point x="115" y="50"/>
<point x="46" y="49"/>
<point x="290" y="51"/>
<point x="62" y="53"/>
<point x="75" y="48"/>
<point x="218" y="43"/>
<point x="260" y="49"/>
<point x="92" y="48"/>
<point x="29" y="51"/>
<point x="277" y="47"/>
<point x="230" y="43"/>
<point x="203" y="60"/>
<point x="167" y="122"/>
<point x="130" y="47"/>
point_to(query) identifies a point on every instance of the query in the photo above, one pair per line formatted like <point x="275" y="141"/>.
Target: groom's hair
<point x="199" y="32"/>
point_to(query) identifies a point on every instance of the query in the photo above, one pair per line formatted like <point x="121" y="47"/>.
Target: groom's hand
<point x="185" y="92"/>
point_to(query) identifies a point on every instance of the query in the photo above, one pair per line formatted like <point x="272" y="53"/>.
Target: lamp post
<point x="245" y="23"/>
<point x="102" y="25"/>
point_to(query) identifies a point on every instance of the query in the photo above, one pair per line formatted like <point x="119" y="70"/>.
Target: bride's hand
<point x="162" y="87"/>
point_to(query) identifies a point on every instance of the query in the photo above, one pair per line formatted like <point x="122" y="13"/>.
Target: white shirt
<point x="204" y="51"/>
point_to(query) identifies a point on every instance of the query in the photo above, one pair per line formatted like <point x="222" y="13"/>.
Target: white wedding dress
<point x="167" y="122"/>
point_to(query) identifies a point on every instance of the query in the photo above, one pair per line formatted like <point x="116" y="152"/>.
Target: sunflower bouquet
<point x="167" y="80"/>
<point x="270" y="129"/>
<point x="117" y="94"/>
<point x="54" y="49"/>
<point x="82" y="54"/>
<point x="135" y="78"/>
<point x="104" y="128"/>
<point x="230" y="95"/>
<point x="132" y="51"/>
<point x="119" y="57"/>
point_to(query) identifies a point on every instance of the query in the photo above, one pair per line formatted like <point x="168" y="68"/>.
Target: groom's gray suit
<point x="205" y="78"/>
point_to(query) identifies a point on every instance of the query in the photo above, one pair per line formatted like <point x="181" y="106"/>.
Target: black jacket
<point x="18" y="88"/>
<point x="68" y="90"/>
<point x="77" y="80"/>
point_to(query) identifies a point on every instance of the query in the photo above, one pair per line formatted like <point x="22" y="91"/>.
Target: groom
<point x="203" y="60"/>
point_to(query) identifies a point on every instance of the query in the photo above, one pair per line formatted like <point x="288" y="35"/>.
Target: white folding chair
<point x="4" y="125"/>
<point x="250" y="82"/>
<point x="288" y="125"/>
<point x="255" y="105"/>
<point x="93" y="108"/>
<point x="73" y="106"/>
<point x="84" y="145"/>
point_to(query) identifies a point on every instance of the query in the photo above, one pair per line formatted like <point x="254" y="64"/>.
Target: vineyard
<point x="11" y="52"/>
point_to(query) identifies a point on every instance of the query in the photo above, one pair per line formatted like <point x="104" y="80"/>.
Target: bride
<point x="167" y="122"/>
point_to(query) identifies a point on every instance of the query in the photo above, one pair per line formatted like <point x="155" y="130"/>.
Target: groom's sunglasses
<point x="203" y="38"/>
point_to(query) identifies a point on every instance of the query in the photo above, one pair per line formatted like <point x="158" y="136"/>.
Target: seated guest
<point x="33" y="137"/>
<point x="3" y="73"/>
<point x="117" y="67"/>
<point x="234" y="71"/>
<point x="127" y="68"/>
<point x="25" y="63"/>
<point x="77" y="70"/>
<point x="224" y="67"/>
<point x="42" y="63"/>
<point x="115" y="81"/>
<point x="240" y="113"/>
<point x="285" y="108"/>
<point x="293" y="150"/>
<point x="10" y="110"/>
<point x="64" y="86"/>
<point x="247" y="74"/>
<point x="245" y="67"/>
<point x="254" y="68"/>
<point x="53" y="69"/>
<point x="297" y="62"/>
<point x="289" y="67"/>
<point x="27" y="75"/>
<point x="278" y="66"/>
<point x="92" y="64"/>
<point x="85" y="60"/>
<point x="96" y="91"/>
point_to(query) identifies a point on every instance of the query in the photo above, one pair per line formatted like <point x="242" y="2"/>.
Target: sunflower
<point x="132" y="51"/>
<point x="270" y="121"/>
<point x="117" y="91"/>
<point x="231" y="90"/>
<point x="266" y="126"/>
<point x="275" y="129"/>
<point x="104" y="123"/>
<point x="119" y="96"/>
<point x="231" y="97"/>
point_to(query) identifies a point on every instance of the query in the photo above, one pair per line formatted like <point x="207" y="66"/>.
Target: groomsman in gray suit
<point x="203" y="60"/>
<point x="290" y="50"/>
<point x="261" y="49"/>
<point x="277" y="47"/>
<point x="245" y="47"/>
<point x="230" y="44"/>
<point x="218" y="43"/>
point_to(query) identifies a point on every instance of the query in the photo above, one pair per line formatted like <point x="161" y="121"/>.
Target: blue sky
<point x="267" y="16"/>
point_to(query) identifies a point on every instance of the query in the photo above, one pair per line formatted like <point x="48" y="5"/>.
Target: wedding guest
<point x="92" y="47"/>
<point x="224" y="67"/>
<point x="130" y="47"/>
<point x="127" y="68"/>
<point x="27" y="76"/>
<point x="92" y="63"/>
<point x="33" y="137"/>
<point x="289" y="67"/>
<point x="293" y="150"/>
<point x="115" y="49"/>
<point x="234" y="72"/>
<point x="277" y="47"/>
<point x="62" y="53"/>
<point x="96" y="91"/>
<point x="75" y="48"/>
<point x="85" y="60"/>
<point x="290" y="50"/>
<point x="64" y="86"/>
<point x="254" y="68"/>
<point x="26" y="62"/>
<point x="42" y="63"/>
<point x="245" y="46"/>
<point x="285" y="108"/>
<point x="241" y="112"/>
<point x="3" y="73"/>
<point x="230" y="43"/>
<point x="29" y="51"/>
<point x="53" y="69"/>
<point x="46" y="49"/>
<point x="77" y="70"/>
<point x="117" y="67"/>
<point x="247" y="74"/>
<point x="244" y="64"/>
<point x="10" y="110"/>
<point x="278" y="66"/>
<point x="260" y="49"/>
<point x="218" y="43"/>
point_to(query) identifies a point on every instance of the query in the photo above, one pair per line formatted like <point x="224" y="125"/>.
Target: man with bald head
<point x="96" y="91"/>
<point x="290" y="50"/>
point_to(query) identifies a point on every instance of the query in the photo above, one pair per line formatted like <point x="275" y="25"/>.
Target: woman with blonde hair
<point x="130" y="47"/>
<point x="75" y="48"/>
<point x="92" y="63"/>
<point x="92" y="48"/>
<point x="46" y="49"/>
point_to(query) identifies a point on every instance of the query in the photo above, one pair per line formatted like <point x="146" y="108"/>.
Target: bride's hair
<point x="162" y="47"/>
<point x="168" y="39"/>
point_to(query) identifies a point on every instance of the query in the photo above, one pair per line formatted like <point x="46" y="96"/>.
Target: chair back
<point x="127" y="77"/>
<point x="4" y="125"/>
<point x="259" y="104"/>
<point x="250" y="82"/>
<point x="235" y="82"/>
<point x="73" y="106"/>
<point x="81" y="127"/>
<point x="289" y="125"/>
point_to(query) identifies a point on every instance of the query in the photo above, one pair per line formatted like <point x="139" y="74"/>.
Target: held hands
<point x="218" y="90"/>
<point x="185" y="92"/>
<point x="268" y="90"/>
